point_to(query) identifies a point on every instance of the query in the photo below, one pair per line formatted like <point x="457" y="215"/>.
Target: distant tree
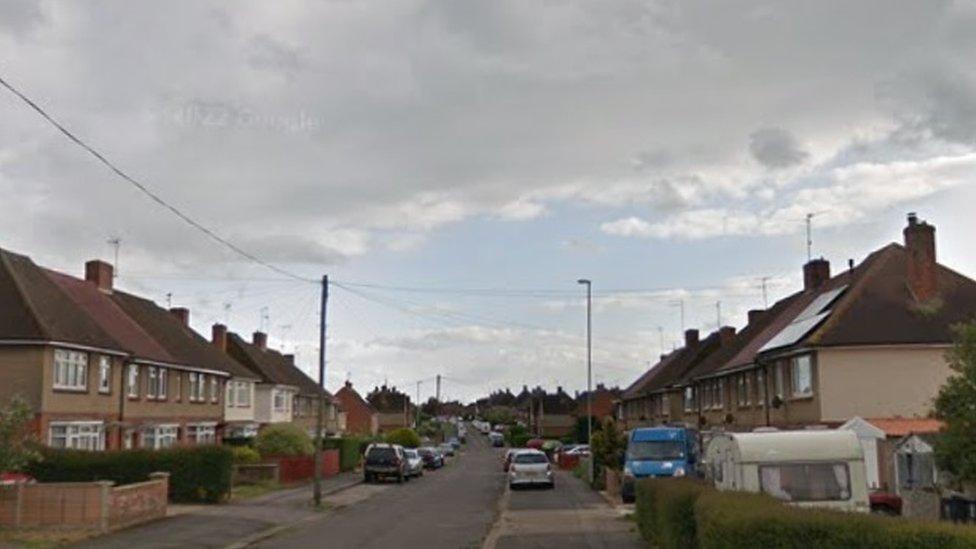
<point x="500" y="416"/>
<point x="608" y="446"/>
<point x="18" y="444"/>
<point x="406" y="437"/>
<point x="955" y="448"/>
<point x="579" y="430"/>
<point x="284" y="439"/>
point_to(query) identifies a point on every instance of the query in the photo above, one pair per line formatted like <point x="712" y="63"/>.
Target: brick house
<point x="361" y="417"/>
<point x="603" y="405"/>
<point x="284" y="393"/>
<point x="550" y="414"/>
<point x="96" y="372"/>
<point x="393" y="406"/>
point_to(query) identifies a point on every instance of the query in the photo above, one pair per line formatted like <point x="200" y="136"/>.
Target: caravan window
<point x="806" y="481"/>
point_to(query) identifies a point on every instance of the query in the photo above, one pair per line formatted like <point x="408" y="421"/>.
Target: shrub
<point x="350" y="451"/>
<point x="406" y="437"/>
<point x="197" y="474"/>
<point x="283" y="439"/>
<point x="244" y="455"/>
<point x="18" y="444"/>
<point x="665" y="511"/>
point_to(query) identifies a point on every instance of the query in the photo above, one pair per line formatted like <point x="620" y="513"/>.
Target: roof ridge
<point x="28" y="303"/>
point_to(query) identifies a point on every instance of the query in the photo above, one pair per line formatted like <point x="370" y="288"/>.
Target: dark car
<point x="432" y="458"/>
<point x="385" y="461"/>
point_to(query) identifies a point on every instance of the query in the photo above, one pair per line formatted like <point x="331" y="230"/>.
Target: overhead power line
<point x="145" y="190"/>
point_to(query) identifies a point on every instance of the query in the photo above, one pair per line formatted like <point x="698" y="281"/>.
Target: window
<point x="133" y="381"/>
<point x="760" y="388"/>
<point x="214" y="389"/>
<point x="279" y="400"/>
<point x="689" y="399"/>
<point x="742" y="389"/>
<point x="160" y="436"/>
<point x="104" y="374"/>
<point x="801" y="375"/>
<point x="806" y="481"/>
<point x="720" y="403"/>
<point x="243" y="394"/>
<point x="194" y="386"/>
<point x="780" y="381"/>
<point x="666" y="404"/>
<point x="179" y="386"/>
<point x="152" y="387"/>
<point x="163" y="382"/>
<point x="231" y="397"/>
<point x="915" y="470"/>
<point x="70" y="370"/>
<point x="80" y="435"/>
<point x="201" y="433"/>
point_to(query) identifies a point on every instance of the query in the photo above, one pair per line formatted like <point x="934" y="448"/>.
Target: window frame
<point x="132" y="381"/>
<point x="78" y="435"/>
<point x="104" y="375"/>
<point x="169" y="432"/>
<point x="70" y="370"/>
<point x="795" y="363"/>
<point x="689" y="399"/>
<point x="244" y="388"/>
<point x="152" y="382"/>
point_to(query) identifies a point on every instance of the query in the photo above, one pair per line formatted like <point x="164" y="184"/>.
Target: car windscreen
<point x="410" y="453"/>
<point x="382" y="454"/>
<point x="806" y="481"/>
<point x="530" y="458"/>
<point x="655" y="450"/>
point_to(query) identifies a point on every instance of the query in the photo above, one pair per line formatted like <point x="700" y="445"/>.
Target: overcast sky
<point x="475" y="158"/>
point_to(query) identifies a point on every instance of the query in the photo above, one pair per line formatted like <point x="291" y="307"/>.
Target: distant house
<point x="104" y="369"/>
<point x="284" y="394"/>
<point x="603" y="404"/>
<point x="394" y="408"/>
<point x="361" y="417"/>
<point x="551" y="414"/>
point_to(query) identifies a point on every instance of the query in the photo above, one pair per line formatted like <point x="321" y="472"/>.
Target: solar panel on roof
<point x="820" y="303"/>
<point x="794" y="332"/>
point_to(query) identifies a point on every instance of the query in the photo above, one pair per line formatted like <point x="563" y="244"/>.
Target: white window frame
<point x="230" y="399"/>
<point x="666" y="404"/>
<point x="104" y="375"/>
<point x="689" y="398"/>
<point x="179" y="386"/>
<point x="720" y="403"/>
<point x="280" y="400"/>
<point x="797" y="363"/>
<point x="760" y="388"/>
<point x="78" y="435"/>
<point x="214" y="389"/>
<point x="780" y="374"/>
<point x="163" y="382"/>
<point x="152" y="382"/>
<point x="132" y="381"/>
<point x="70" y="370"/>
<point x="194" y="386"/>
<point x="201" y="433"/>
<point x="244" y="394"/>
<point x="158" y="437"/>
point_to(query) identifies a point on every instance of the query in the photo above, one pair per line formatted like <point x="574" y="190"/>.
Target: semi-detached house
<point x="103" y="369"/>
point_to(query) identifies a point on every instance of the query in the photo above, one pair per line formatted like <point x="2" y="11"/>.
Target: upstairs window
<point x="760" y="388"/>
<point x="801" y="374"/>
<point x="152" y="385"/>
<point x="720" y="401"/>
<point x="132" y="381"/>
<point x="666" y="404"/>
<point x="104" y="374"/>
<point x="179" y="386"/>
<point x="214" y="389"/>
<point x="163" y="382"/>
<point x="194" y="386"/>
<point x="280" y="401"/>
<point x="780" y="374"/>
<point x="243" y="394"/>
<point x="231" y="397"/>
<point x="70" y="370"/>
<point x="689" y="399"/>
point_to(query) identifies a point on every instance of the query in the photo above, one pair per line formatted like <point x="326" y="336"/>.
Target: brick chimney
<point x="260" y="340"/>
<point x="348" y="384"/>
<point x="290" y="358"/>
<point x="219" y="336"/>
<point x="181" y="313"/>
<point x="691" y="338"/>
<point x="99" y="273"/>
<point x="922" y="271"/>
<point x="755" y="314"/>
<point x="725" y="334"/>
<point x="815" y="273"/>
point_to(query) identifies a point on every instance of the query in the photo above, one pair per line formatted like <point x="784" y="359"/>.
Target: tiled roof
<point x="270" y="365"/>
<point x="901" y="426"/>
<point x="674" y="367"/>
<point x="348" y="394"/>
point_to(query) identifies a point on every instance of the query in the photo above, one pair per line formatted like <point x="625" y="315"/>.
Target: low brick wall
<point x="294" y="469"/>
<point x="255" y="473"/>
<point x="96" y="506"/>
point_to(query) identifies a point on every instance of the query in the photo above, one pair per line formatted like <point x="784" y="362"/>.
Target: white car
<point x="415" y="463"/>
<point x="528" y="468"/>
<point x="583" y="450"/>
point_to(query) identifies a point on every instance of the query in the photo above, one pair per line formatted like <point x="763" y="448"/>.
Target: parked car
<point x="432" y="457"/>
<point x="509" y="454"/>
<point x="415" y="463"/>
<point x="581" y="450"/>
<point x="447" y="449"/>
<point x="453" y="441"/>
<point x="384" y="461"/>
<point x="497" y="439"/>
<point x="528" y="468"/>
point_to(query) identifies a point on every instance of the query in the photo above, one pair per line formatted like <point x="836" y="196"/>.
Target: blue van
<point x="658" y="452"/>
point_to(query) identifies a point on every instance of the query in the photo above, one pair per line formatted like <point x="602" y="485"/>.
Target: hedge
<point x="197" y="474"/>
<point x="684" y="513"/>
<point x="350" y="451"/>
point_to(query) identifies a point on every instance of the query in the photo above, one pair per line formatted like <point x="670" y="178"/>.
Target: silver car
<point x="415" y="463"/>
<point x="530" y="468"/>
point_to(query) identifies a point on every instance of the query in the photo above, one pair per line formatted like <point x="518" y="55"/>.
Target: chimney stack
<point x="922" y="272"/>
<point x="290" y="358"/>
<point x="755" y="314"/>
<point x="260" y="340"/>
<point x="725" y="334"/>
<point x="815" y="273"/>
<point x="182" y="314"/>
<point x="99" y="273"/>
<point x="691" y="338"/>
<point x="219" y="336"/>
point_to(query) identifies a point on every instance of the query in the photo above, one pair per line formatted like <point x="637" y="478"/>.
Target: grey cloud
<point x="775" y="148"/>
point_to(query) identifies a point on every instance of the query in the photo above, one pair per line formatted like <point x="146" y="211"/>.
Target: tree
<point x="955" y="448"/>
<point x="608" y="446"/>
<point x="580" y="429"/>
<point x="18" y="444"/>
<point x="283" y="439"/>
<point x="406" y="437"/>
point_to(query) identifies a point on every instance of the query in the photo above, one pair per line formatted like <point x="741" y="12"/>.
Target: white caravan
<point x="804" y="468"/>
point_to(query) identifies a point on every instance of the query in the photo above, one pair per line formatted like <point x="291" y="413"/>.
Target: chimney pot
<point x="218" y="336"/>
<point x="815" y="273"/>
<point x="182" y="314"/>
<point x="290" y="358"/>
<point x="260" y="340"/>
<point x="691" y="337"/>
<point x="922" y="267"/>
<point x="755" y="314"/>
<point x="99" y="273"/>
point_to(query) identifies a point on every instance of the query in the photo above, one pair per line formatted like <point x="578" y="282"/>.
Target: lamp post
<point x="589" y="372"/>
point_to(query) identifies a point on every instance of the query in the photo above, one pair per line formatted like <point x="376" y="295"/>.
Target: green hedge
<point x="666" y="511"/>
<point x="197" y="474"/>
<point x="350" y="451"/>
<point x="684" y="513"/>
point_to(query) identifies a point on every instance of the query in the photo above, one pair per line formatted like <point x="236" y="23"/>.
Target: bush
<point x="406" y="437"/>
<point x="197" y="474"/>
<point x="665" y="510"/>
<point x="283" y="439"/>
<point x="350" y="451"/>
<point x="244" y="455"/>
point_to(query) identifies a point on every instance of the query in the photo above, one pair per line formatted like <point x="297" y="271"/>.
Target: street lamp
<point x="589" y="372"/>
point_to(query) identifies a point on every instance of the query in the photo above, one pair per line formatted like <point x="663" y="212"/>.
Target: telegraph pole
<point x="438" y="389"/>
<point x="320" y="420"/>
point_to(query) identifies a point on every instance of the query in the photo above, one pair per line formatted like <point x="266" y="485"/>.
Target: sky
<point x="455" y="166"/>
